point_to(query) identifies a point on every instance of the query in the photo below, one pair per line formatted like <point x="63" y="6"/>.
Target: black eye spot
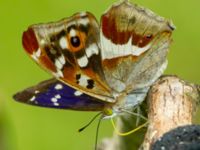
<point x="78" y="76"/>
<point x="75" y="41"/>
<point x="90" y="84"/>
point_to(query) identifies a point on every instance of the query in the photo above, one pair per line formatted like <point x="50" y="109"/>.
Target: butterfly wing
<point x="55" y="94"/>
<point x="134" y="43"/>
<point x="69" y="49"/>
<point x="128" y="53"/>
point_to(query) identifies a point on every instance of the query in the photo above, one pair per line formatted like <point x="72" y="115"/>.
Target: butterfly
<point x="102" y="67"/>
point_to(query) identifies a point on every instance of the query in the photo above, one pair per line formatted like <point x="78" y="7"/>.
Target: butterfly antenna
<point x="97" y="131"/>
<point x="83" y="128"/>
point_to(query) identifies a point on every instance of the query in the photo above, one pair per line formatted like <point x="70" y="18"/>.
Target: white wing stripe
<point x="110" y="50"/>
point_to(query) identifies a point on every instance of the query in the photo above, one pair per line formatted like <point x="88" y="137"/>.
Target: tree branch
<point x="171" y="103"/>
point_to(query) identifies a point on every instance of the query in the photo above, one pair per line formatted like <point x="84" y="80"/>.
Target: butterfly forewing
<point x="55" y="94"/>
<point x="69" y="49"/>
<point x="134" y="53"/>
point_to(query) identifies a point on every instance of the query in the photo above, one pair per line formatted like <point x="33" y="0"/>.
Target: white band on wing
<point x="111" y="50"/>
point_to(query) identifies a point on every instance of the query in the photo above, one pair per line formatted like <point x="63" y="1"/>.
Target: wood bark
<point x="171" y="102"/>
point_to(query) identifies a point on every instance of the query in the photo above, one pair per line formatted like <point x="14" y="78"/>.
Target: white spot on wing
<point x="83" y="21"/>
<point x="36" y="92"/>
<point x="42" y="42"/>
<point x="34" y="57"/>
<point x="36" y="54"/>
<point x="56" y="104"/>
<point x="59" y="86"/>
<point x="62" y="59"/>
<point x="57" y="96"/>
<point x="78" y="93"/>
<point x="58" y="74"/>
<point x="72" y="32"/>
<point x="63" y="43"/>
<point x="92" y="49"/>
<point x="54" y="99"/>
<point x="32" y="98"/>
<point x="83" y="14"/>
<point x="83" y="61"/>
<point x="58" y="64"/>
<point x="83" y="81"/>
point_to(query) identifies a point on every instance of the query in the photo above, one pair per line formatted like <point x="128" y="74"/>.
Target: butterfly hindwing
<point x="54" y="94"/>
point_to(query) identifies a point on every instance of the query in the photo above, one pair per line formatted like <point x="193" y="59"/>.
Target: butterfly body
<point x="112" y="64"/>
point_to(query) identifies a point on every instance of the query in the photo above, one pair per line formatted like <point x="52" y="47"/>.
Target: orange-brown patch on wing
<point x="69" y="74"/>
<point x="111" y="32"/>
<point x="82" y="37"/>
<point x="112" y="63"/>
<point x="141" y="41"/>
<point x="135" y="38"/>
<point x="135" y="58"/>
<point x="29" y="41"/>
<point x="105" y="26"/>
<point x="47" y="63"/>
<point x="90" y="73"/>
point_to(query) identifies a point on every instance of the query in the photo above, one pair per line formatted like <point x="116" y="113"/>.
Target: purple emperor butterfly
<point x="98" y="67"/>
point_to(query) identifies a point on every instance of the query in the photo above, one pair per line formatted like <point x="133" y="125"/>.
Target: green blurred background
<point x="33" y="128"/>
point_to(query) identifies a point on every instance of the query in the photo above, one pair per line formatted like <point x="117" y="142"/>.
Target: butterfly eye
<point x="75" y="41"/>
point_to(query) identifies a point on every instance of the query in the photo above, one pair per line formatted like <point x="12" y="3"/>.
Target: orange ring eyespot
<point x="75" y="41"/>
